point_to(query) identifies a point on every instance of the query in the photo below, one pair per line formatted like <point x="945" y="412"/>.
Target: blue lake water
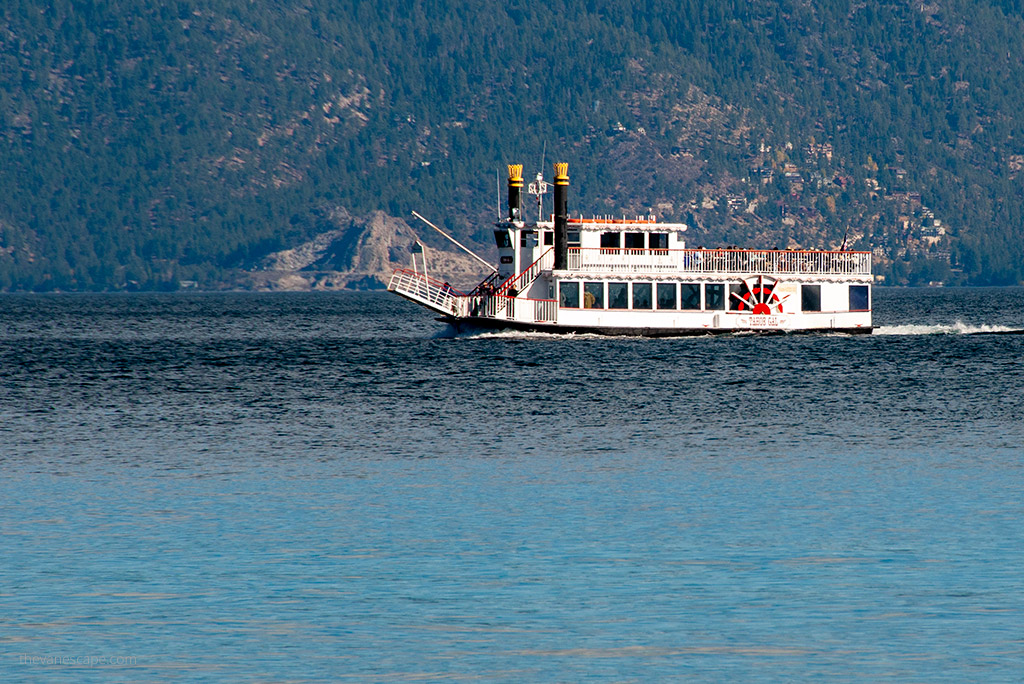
<point x="319" y="487"/>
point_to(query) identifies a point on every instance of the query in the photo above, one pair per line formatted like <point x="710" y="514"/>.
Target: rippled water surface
<point x="326" y="486"/>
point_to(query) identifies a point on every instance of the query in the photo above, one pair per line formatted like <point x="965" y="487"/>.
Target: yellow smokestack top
<point x="515" y="175"/>
<point x="561" y="173"/>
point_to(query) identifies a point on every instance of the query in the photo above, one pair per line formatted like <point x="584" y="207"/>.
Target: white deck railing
<point x="504" y="308"/>
<point x="440" y="297"/>
<point x="427" y="291"/>
<point x="738" y="261"/>
<point x="545" y="310"/>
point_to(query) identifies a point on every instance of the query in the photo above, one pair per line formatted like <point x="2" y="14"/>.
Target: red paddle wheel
<point x="758" y="296"/>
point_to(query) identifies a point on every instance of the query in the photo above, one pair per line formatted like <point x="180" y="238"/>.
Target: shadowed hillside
<point x="144" y="144"/>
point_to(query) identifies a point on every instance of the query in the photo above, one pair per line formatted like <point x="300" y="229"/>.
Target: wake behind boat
<point x="636" y="277"/>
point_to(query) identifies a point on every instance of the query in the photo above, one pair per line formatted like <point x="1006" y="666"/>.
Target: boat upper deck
<point x="644" y="245"/>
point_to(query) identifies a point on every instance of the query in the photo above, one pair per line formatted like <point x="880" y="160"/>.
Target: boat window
<point x="502" y="239"/>
<point x="634" y="241"/>
<point x="859" y="298"/>
<point x="593" y="295"/>
<point x="736" y="302"/>
<point x="618" y="295"/>
<point x="572" y="237"/>
<point x="569" y="295"/>
<point x="810" y="297"/>
<point x="666" y="295"/>
<point x="528" y="238"/>
<point x="659" y="240"/>
<point x="641" y="295"/>
<point x="714" y="296"/>
<point x="689" y="296"/>
<point x="549" y="237"/>
<point x="610" y="240"/>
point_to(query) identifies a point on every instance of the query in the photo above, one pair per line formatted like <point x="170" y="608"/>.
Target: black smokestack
<point x="561" y="217"/>
<point x="515" y="191"/>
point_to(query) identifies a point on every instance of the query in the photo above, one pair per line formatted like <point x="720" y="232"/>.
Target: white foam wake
<point x="526" y="335"/>
<point x="956" y="328"/>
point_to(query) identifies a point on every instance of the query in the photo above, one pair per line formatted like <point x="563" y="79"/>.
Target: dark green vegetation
<point x="144" y="143"/>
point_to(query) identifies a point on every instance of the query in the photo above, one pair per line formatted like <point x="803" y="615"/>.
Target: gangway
<point x="422" y="289"/>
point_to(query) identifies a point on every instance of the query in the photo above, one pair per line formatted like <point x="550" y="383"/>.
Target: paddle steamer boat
<point x="615" y="276"/>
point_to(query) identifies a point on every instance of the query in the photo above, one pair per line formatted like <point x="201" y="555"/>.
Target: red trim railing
<point x="528" y="275"/>
<point x="612" y="221"/>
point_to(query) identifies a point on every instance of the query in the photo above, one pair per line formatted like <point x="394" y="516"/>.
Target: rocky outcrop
<point x="361" y="254"/>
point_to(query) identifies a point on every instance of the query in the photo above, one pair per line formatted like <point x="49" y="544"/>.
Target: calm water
<point x="325" y="486"/>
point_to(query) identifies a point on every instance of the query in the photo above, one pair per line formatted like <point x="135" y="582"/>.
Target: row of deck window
<point x="683" y="296"/>
<point x="610" y="240"/>
<point x="604" y="295"/>
<point x="529" y="238"/>
<point x="618" y="240"/>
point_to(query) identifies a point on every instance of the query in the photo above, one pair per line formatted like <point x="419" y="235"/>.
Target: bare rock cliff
<point x="360" y="254"/>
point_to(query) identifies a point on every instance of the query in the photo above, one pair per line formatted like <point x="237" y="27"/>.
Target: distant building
<point x="817" y="150"/>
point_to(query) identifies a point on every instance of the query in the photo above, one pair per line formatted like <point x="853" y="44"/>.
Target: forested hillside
<point x="147" y="143"/>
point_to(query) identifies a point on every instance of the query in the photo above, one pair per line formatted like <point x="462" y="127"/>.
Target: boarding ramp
<point x="426" y="291"/>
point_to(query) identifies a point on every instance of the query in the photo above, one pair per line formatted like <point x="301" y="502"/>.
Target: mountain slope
<point x="361" y="253"/>
<point x="146" y="143"/>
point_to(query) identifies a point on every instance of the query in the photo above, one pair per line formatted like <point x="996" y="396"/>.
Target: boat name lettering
<point x="765" y="321"/>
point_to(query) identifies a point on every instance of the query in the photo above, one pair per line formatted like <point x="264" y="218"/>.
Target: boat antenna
<point x="457" y="243"/>
<point x="540" y="181"/>
<point x="497" y="192"/>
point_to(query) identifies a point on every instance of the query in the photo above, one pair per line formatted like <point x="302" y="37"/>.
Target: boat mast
<point x="539" y="187"/>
